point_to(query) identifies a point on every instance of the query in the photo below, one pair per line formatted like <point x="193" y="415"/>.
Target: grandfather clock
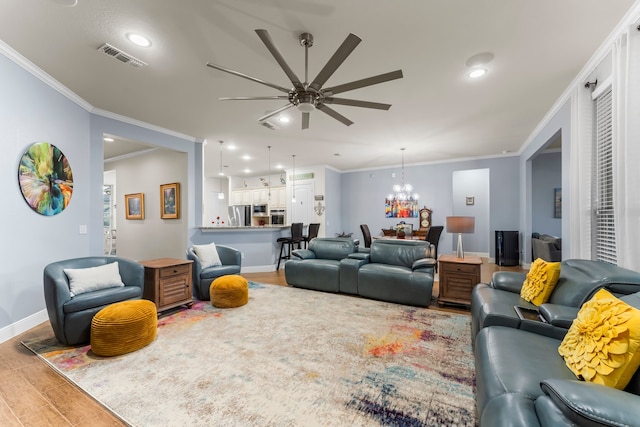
<point x="424" y="216"/>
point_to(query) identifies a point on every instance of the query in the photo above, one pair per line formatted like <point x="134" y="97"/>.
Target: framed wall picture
<point x="45" y="179"/>
<point x="170" y="201"/>
<point x="134" y="206"/>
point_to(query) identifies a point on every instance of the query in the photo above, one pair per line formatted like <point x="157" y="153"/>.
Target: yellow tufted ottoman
<point x="229" y="291"/>
<point x="123" y="327"/>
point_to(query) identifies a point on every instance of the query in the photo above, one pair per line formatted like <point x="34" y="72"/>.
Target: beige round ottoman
<point x="123" y="327"/>
<point x="229" y="291"/>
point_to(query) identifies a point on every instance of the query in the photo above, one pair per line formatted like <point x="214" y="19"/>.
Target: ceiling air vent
<point x="116" y="53"/>
<point x="269" y="125"/>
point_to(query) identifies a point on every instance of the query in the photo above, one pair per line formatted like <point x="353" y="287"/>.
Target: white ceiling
<point x="438" y="113"/>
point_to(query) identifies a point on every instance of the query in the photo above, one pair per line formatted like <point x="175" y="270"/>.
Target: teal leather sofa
<point x="231" y="260"/>
<point x="318" y="266"/>
<point x="522" y="381"/>
<point x="492" y="304"/>
<point x="398" y="271"/>
<point x="71" y="316"/>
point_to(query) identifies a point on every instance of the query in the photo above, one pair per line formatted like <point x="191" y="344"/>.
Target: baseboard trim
<point x="23" y="325"/>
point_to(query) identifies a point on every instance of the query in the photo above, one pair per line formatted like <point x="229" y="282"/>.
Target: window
<point x="604" y="231"/>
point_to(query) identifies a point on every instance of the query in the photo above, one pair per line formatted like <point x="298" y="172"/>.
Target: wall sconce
<point x="460" y="224"/>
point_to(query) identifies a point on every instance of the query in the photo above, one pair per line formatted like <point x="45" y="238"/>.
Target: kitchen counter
<point x="258" y="244"/>
<point x="246" y="228"/>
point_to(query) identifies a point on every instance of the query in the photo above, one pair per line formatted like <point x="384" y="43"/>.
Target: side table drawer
<point x="174" y="270"/>
<point x="459" y="268"/>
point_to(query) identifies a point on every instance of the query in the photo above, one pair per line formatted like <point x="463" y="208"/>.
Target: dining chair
<point x="296" y="238"/>
<point x="433" y="237"/>
<point x="313" y="233"/>
<point x="366" y="234"/>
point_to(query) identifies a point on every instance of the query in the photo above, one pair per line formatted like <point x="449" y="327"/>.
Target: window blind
<point x="604" y="231"/>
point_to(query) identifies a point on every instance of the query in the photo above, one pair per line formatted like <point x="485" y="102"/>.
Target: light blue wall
<point x="363" y="195"/>
<point x="34" y="109"/>
<point x="546" y="176"/>
<point x="333" y="204"/>
<point x="31" y="111"/>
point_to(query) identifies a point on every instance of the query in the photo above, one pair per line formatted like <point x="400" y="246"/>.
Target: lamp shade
<point x="460" y="224"/>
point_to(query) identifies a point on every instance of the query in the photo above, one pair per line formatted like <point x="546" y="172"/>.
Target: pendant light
<point x="402" y="192"/>
<point x="293" y="180"/>
<point x="220" y="174"/>
<point x="269" y="173"/>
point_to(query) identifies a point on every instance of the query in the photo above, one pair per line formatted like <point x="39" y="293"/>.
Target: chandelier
<point x="403" y="192"/>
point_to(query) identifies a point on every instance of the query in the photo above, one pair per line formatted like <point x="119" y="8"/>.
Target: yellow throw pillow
<point x="603" y="341"/>
<point x="540" y="281"/>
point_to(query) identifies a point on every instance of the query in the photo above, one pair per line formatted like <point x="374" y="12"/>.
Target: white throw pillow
<point x="91" y="279"/>
<point x="208" y="255"/>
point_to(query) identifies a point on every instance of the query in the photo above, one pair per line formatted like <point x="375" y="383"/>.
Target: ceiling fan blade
<point x="268" y="42"/>
<point x="333" y="113"/>
<point x="305" y="120"/>
<point x="248" y="77"/>
<point x="369" y="81"/>
<point x="273" y="113"/>
<point x="336" y="60"/>
<point x="356" y="103"/>
<point x="252" y="98"/>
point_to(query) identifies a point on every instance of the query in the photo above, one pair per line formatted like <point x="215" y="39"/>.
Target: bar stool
<point x="313" y="233"/>
<point x="296" y="238"/>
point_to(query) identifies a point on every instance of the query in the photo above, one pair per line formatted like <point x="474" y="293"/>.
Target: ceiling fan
<point x="311" y="96"/>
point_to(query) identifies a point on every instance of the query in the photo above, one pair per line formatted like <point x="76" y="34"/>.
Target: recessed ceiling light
<point x="139" y="40"/>
<point x="247" y="171"/>
<point x="107" y="139"/>
<point x="478" y="72"/>
<point x="67" y="3"/>
<point x="284" y="119"/>
<point x="246" y="157"/>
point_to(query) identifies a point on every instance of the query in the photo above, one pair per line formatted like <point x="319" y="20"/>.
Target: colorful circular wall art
<point x="45" y="178"/>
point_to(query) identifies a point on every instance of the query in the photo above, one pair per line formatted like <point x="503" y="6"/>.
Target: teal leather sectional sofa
<point x="398" y="271"/>
<point x="521" y="379"/>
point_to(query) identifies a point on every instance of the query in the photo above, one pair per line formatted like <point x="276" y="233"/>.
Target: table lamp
<point x="460" y="224"/>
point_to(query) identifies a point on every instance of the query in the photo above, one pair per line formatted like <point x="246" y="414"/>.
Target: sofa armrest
<point x="229" y="255"/>
<point x="362" y="256"/>
<point x="589" y="404"/>
<point x="558" y="315"/>
<point x="423" y="263"/>
<point x="303" y="254"/>
<point x="510" y="281"/>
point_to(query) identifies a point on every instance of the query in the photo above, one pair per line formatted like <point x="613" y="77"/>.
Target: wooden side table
<point x="167" y="282"/>
<point x="458" y="276"/>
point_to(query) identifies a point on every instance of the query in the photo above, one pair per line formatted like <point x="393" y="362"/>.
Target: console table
<point x="457" y="277"/>
<point x="167" y="282"/>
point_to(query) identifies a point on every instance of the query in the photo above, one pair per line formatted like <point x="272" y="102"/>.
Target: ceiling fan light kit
<point x="310" y="96"/>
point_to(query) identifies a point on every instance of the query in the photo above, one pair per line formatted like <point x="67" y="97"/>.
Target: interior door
<point x="302" y="209"/>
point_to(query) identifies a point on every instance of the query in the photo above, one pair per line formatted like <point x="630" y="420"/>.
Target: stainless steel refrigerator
<point x="240" y="215"/>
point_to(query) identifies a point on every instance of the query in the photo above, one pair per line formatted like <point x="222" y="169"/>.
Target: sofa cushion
<point x="316" y="274"/>
<point x="540" y="281"/>
<point x="208" y="255"/>
<point x="399" y="252"/>
<point x="602" y="345"/>
<point x="332" y="248"/>
<point x="91" y="279"/>
<point x="511" y="360"/>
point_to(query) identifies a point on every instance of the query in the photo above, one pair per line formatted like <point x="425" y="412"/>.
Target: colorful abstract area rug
<point x="290" y="357"/>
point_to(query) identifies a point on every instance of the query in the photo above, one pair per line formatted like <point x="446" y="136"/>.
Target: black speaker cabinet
<point x="507" y="248"/>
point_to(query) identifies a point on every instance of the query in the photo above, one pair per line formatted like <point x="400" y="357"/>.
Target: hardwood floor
<point x="33" y="394"/>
